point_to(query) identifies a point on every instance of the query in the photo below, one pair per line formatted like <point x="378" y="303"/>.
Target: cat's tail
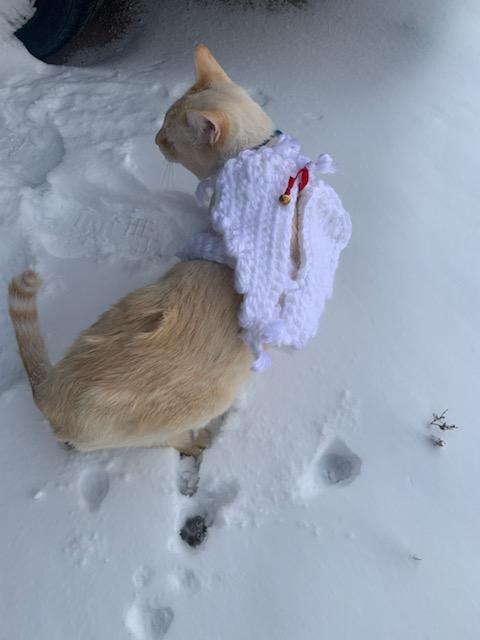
<point x="23" y="312"/>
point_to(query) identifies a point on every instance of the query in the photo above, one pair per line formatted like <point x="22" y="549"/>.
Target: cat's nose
<point x="160" y="138"/>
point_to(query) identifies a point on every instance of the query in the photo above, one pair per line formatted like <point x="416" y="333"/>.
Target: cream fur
<point x="237" y="120"/>
<point x="166" y="359"/>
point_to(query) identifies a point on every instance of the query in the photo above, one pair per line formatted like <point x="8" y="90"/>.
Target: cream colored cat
<point x="166" y="359"/>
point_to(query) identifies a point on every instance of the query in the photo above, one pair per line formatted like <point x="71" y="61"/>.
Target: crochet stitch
<point x="251" y="231"/>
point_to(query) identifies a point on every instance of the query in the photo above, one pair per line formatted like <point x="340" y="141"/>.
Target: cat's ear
<point x="209" y="72"/>
<point x="210" y="126"/>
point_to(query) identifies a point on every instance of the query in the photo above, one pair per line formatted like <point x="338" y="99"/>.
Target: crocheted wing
<point x="257" y="231"/>
<point x="325" y="230"/>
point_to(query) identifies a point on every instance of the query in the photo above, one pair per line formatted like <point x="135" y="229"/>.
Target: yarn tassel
<point x="324" y="164"/>
<point x="262" y="362"/>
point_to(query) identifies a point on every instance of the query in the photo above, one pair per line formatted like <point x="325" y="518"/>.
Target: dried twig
<point x="447" y="427"/>
<point x="441" y="422"/>
<point x="438" y="418"/>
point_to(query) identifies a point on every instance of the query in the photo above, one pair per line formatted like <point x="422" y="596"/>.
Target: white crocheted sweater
<point x="251" y="231"/>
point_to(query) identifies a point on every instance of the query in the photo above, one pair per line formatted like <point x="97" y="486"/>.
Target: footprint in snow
<point x="37" y="152"/>
<point x="188" y="475"/>
<point x="94" y="485"/>
<point x="148" y="620"/>
<point x="143" y="576"/>
<point x="339" y="465"/>
<point x="182" y="579"/>
<point x="335" y="465"/>
<point x="211" y="501"/>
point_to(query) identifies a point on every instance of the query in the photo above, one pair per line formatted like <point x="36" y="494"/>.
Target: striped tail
<point x="23" y="312"/>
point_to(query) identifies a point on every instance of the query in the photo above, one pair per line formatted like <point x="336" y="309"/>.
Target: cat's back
<point x="179" y="335"/>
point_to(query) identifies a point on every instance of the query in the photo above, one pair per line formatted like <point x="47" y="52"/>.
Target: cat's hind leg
<point x="190" y="443"/>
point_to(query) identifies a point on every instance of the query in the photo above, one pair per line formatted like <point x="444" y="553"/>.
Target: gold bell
<point x="285" y="198"/>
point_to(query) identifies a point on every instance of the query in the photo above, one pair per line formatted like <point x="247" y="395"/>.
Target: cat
<point x="167" y="359"/>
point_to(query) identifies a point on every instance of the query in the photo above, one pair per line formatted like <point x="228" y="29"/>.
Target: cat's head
<point x="213" y="121"/>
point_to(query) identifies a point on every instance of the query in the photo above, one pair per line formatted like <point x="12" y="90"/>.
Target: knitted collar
<point x="275" y="134"/>
<point x="207" y="184"/>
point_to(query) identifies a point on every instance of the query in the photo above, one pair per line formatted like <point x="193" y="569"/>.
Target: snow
<point x="331" y="513"/>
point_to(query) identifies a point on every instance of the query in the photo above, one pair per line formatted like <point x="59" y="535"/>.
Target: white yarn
<point x="251" y="231"/>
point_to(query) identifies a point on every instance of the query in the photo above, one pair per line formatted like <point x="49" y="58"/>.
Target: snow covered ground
<point x="333" y="514"/>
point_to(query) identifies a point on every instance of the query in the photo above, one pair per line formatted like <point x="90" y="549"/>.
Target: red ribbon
<point x="302" y="176"/>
